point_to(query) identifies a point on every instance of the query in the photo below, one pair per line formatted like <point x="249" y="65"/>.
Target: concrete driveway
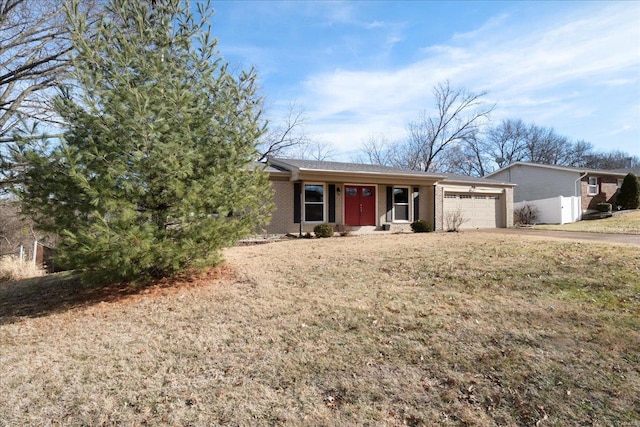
<point x="625" y="239"/>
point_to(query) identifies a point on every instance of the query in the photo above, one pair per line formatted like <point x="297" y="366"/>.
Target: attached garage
<point x="481" y="202"/>
<point x="477" y="210"/>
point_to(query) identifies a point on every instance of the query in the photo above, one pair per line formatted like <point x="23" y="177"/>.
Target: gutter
<point x="575" y="185"/>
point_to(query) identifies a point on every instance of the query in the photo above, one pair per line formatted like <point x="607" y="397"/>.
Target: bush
<point x="629" y="195"/>
<point x="323" y="230"/>
<point x="12" y="268"/>
<point x="604" y="207"/>
<point x="454" y="219"/>
<point x="420" y="226"/>
<point x="526" y="215"/>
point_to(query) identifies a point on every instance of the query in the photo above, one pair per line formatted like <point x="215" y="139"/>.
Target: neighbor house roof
<point x="613" y="172"/>
<point x="625" y="171"/>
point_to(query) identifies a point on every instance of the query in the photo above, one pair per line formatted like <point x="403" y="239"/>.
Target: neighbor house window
<point x="314" y="202"/>
<point x="620" y="183"/>
<point x="401" y="204"/>
<point x="593" y="186"/>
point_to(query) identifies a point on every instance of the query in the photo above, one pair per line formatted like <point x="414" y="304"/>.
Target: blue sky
<point x="362" y="68"/>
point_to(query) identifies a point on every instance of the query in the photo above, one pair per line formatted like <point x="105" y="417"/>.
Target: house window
<point x="593" y="186"/>
<point x="401" y="204"/>
<point x="314" y="203"/>
<point x="620" y="183"/>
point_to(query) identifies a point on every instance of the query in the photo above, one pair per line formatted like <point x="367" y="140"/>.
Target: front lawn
<point x="412" y="329"/>
<point x="621" y="223"/>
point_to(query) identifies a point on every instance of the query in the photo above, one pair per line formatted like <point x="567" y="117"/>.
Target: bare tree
<point x="573" y="154"/>
<point x="469" y="158"/>
<point x="15" y="230"/>
<point x="34" y="48"/>
<point x="459" y="115"/>
<point x="376" y="150"/>
<point x="312" y="150"/>
<point x="33" y="44"/>
<point x="286" y="136"/>
<point x="544" y="145"/>
<point x="512" y="140"/>
<point x="458" y="118"/>
<point x="612" y="160"/>
<point x="506" y="142"/>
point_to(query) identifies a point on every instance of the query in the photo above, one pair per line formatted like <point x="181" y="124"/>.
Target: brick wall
<point x="607" y="192"/>
<point x="282" y="215"/>
<point x="508" y="199"/>
<point x="439" y="201"/>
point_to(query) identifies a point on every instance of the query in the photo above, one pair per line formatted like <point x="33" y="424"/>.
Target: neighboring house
<point x="360" y="196"/>
<point x="536" y="182"/>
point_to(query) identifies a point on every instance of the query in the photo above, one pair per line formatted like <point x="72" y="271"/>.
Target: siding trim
<point x="297" y="211"/>
<point x="332" y="203"/>
<point x="389" y="215"/>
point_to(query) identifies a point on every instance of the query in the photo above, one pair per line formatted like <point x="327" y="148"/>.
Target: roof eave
<point x="494" y="183"/>
<point x="366" y="177"/>
<point x="561" y="168"/>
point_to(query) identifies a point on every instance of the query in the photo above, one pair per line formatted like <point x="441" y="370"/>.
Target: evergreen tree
<point x="152" y="175"/>
<point x="629" y="195"/>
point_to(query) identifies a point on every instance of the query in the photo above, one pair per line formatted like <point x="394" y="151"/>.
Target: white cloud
<point x="550" y="71"/>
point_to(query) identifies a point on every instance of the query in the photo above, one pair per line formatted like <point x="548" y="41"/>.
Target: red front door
<point x="359" y="205"/>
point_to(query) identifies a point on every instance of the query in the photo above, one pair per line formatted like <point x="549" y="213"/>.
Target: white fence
<point x="37" y="254"/>
<point x="557" y="210"/>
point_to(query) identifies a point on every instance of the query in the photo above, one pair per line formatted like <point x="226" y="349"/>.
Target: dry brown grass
<point x="12" y="268"/>
<point x="413" y="329"/>
<point x="621" y="223"/>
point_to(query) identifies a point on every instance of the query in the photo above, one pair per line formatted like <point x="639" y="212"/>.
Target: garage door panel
<point x="480" y="211"/>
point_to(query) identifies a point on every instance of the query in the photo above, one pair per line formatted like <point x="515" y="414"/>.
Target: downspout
<point x="575" y="186"/>
<point x="578" y="191"/>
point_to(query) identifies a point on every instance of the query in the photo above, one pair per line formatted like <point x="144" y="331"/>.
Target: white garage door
<point x="478" y="210"/>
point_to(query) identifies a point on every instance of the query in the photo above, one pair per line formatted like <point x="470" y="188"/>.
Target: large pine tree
<point x="152" y="175"/>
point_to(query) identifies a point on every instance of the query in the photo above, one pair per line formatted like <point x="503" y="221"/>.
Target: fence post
<point x="21" y="253"/>
<point x="35" y="252"/>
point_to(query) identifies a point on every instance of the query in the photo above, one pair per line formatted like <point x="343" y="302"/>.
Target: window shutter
<point x="332" y="203"/>
<point x="297" y="212"/>
<point x="416" y="203"/>
<point x="389" y="217"/>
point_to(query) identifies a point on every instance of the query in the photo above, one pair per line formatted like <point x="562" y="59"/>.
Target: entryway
<point x="359" y="205"/>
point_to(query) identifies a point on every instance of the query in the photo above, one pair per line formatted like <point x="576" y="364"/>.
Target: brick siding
<point x="607" y="192"/>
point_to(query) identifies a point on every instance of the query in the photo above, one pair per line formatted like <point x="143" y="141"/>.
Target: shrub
<point x="420" y="226"/>
<point x="12" y="268"/>
<point x="454" y="219"/>
<point x="604" y="207"/>
<point x="526" y="215"/>
<point x="323" y="230"/>
<point x="629" y="195"/>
